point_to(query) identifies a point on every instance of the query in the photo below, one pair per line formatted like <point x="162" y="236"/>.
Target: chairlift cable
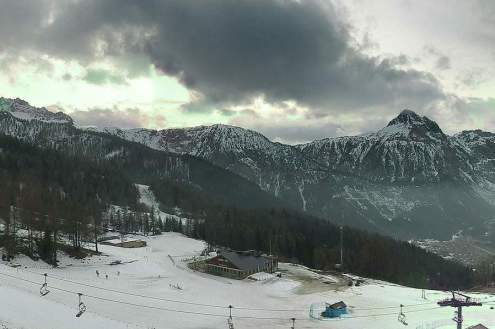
<point x="201" y="313"/>
<point x="211" y="305"/>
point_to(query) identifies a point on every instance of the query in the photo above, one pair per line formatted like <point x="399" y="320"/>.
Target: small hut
<point x="335" y="310"/>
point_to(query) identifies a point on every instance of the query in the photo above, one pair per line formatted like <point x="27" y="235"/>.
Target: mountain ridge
<point x="407" y="179"/>
<point x="22" y="110"/>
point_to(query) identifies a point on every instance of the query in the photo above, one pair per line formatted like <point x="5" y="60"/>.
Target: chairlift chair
<point x="402" y="317"/>
<point x="230" y="322"/>
<point x="44" y="287"/>
<point x="82" y="307"/>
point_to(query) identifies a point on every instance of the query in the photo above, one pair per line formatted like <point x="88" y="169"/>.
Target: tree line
<point x="301" y="238"/>
<point x="46" y="194"/>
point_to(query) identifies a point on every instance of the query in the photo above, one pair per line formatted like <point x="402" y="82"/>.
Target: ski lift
<point x="44" y="288"/>
<point x="82" y="307"/>
<point x="402" y="317"/>
<point x="230" y="322"/>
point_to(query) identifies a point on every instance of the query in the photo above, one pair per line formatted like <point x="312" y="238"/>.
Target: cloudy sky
<point x="294" y="70"/>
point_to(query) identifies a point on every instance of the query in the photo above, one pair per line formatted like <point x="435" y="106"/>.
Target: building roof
<point x="338" y="305"/>
<point x="245" y="261"/>
<point x="478" y="326"/>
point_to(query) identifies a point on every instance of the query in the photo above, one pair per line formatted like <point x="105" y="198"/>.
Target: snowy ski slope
<point x="147" y="278"/>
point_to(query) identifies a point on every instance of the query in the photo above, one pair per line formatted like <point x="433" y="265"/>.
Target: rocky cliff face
<point x="408" y="179"/>
<point x="409" y="150"/>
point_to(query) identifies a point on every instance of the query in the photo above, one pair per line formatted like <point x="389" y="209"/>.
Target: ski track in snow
<point x="148" y="198"/>
<point x="301" y="190"/>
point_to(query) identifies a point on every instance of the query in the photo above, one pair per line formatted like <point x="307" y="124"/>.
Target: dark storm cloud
<point x="225" y="51"/>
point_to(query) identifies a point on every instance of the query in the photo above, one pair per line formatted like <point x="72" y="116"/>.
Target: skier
<point x="97" y="274"/>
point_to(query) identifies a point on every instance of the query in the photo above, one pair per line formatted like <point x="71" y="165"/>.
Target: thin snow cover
<point x="20" y="109"/>
<point x="262" y="276"/>
<point x="124" y="239"/>
<point x="396" y="129"/>
<point x="201" y="141"/>
<point x="114" y="154"/>
<point x="203" y="299"/>
<point x="301" y="194"/>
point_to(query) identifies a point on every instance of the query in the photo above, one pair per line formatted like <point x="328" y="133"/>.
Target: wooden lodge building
<point x="240" y="264"/>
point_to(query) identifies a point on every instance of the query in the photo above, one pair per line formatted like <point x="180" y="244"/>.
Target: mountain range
<point x="407" y="180"/>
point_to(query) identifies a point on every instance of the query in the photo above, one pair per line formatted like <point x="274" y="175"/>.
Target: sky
<point x="294" y="70"/>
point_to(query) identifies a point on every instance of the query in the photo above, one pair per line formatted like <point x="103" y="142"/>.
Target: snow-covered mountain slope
<point x="273" y="166"/>
<point x="410" y="149"/>
<point x="139" y="162"/>
<point x="22" y="110"/>
<point x="140" y="294"/>
<point x="480" y="145"/>
<point x="408" y="179"/>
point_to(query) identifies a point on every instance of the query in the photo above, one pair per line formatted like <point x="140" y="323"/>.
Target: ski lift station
<point x="237" y="264"/>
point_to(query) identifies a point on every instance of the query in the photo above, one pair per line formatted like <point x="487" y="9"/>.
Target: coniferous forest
<point x="49" y="194"/>
<point x="301" y="238"/>
<point x="52" y="196"/>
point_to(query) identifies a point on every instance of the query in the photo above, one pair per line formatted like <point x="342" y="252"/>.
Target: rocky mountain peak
<point x="411" y="124"/>
<point x="407" y="117"/>
<point x="21" y="109"/>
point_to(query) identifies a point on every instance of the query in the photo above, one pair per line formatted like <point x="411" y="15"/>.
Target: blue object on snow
<point x="334" y="310"/>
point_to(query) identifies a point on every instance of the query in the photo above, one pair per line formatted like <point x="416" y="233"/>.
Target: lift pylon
<point x="459" y="301"/>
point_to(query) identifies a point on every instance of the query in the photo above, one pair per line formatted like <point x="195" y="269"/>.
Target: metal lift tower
<point x="459" y="302"/>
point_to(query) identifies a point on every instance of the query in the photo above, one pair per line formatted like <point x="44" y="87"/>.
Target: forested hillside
<point x="48" y="193"/>
<point x="298" y="237"/>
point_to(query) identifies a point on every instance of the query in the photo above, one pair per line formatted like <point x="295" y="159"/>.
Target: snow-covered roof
<point x="245" y="261"/>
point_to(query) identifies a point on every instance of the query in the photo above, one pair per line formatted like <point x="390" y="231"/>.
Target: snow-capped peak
<point x="410" y="124"/>
<point x="407" y="117"/>
<point x="22" y="110"/>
